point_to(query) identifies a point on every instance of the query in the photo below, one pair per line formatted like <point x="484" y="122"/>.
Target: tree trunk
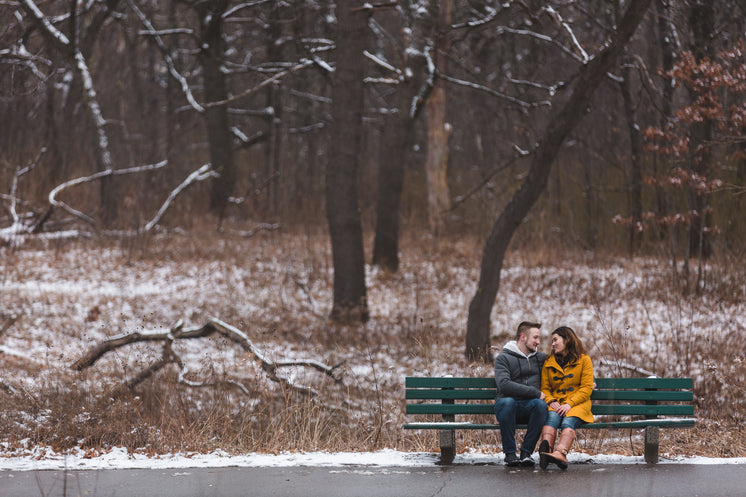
<point x="390" y="182"/>
<point x="561" y="122"/>
<point x="438" y="129"/>
<point x="398" y="136"/>
<point x="668" y="50"/>
<point x="272" y="147"/>
<point x="634" y="193"/>
<point x="702" y="19"/>
<point x="342" y="210"/>
<point x="219" y="136"/>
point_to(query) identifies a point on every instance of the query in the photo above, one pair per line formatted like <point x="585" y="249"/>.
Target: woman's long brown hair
<point x="573" y="345"/>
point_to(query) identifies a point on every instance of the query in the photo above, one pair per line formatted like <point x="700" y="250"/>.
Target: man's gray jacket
<point x="518" y="375"/>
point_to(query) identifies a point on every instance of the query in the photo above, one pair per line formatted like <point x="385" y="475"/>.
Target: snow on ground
<point x="69" y="300"/>
<point x="120" y="459"/>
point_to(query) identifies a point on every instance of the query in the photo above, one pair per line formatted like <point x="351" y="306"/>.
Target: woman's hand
<point x="563" y="409"/>
<point x="555" y="406"/>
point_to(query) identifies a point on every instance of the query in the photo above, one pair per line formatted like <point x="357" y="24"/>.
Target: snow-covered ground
<point x="120" y="459"/>
<point x="278" y="292"/>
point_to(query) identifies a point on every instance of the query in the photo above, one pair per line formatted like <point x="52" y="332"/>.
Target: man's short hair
<point x="524" y="327"/>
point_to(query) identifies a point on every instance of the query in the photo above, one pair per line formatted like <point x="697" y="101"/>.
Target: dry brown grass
<point x="55" y="407"/>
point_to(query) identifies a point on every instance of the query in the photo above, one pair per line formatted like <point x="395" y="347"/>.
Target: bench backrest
<point x="648" y="397"/>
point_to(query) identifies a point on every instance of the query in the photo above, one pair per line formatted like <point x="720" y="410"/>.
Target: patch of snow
<point x="43" y="459"/>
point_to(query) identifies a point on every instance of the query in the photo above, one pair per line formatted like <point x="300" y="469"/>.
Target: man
<point x="519" y="397"/>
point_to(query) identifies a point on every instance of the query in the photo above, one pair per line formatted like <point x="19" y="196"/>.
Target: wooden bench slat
<point x="661" y="396"/>
<point x="642" y="410"/>
<point x="450" y="394"/>
<point x="642" y="383"/>
<point x="486" y="394"/>
<point x="597" y="409"/>
<point x="604" y="425"/>
<point x="601" y="383"/>
<point x="448" y="382"/>
<point x="640" y="423"/>
<point x="450" y="409"/>
<point x="455" y="426"/>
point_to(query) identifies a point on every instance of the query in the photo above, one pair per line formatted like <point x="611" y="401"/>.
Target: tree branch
<point x="200" y="174"/>
<point x="54" y="202"/>
<point x="495" y="93"/>
<point x="301" y="65"/>
<point x="213" y="326"/>
<point x="166" y="57"/>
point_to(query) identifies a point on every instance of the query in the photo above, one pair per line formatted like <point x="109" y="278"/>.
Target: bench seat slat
<point x="640" y="423"/>
<point x="439" y="394"/>
<point x="450" y="409"/>
<point x="596" y="409"/>
<point x="455" y="426"/>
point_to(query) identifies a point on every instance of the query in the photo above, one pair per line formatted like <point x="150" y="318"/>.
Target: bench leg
<point x="447" y="446"/>
<point x="651" y="444"/>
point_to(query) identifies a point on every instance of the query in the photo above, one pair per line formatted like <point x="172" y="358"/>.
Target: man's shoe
<point x="526" y="460"/>
<point x="544" y="447"/>
<point x="512" y="460"/>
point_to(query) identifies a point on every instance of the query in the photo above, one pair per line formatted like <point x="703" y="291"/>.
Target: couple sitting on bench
<point x="548" y="394"/>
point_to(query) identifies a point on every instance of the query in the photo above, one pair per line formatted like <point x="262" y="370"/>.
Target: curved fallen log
<point x="213" y="326"/>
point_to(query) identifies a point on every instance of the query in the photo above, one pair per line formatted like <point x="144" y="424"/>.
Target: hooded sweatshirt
<point x="518" y="375"/>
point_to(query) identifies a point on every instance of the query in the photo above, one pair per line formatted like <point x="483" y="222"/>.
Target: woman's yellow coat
<point x="572" y="385"/>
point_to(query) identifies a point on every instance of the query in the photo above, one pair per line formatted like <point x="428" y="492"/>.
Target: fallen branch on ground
<point x="213" y="326"/>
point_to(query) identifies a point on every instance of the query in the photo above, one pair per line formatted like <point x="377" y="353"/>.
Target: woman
<point x="567" y="383"/>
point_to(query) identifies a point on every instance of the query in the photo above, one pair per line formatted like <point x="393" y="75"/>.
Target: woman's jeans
<point x="510" y="412"/>
<point x="562" y="422"/>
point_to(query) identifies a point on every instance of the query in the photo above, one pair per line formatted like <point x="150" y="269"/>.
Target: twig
<point x="559" y="20"/>
<point x="622" y="365"/>
<point x="301" y="65"/>
<point x="463" y="198"/>
<point x="495" y="93"/>
<point x="200" y="174"/>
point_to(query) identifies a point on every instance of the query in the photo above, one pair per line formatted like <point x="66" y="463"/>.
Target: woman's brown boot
<point x="559" y="456"/>
<point x="548" y="435"/>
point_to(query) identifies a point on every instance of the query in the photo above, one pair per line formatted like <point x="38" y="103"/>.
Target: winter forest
<point x="386" y="187"/>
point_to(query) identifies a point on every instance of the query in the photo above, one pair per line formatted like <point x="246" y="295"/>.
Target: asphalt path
<point x="675" y="480"/>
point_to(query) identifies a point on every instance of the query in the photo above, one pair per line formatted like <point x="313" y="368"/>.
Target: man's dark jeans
<point x="510" y="412"/>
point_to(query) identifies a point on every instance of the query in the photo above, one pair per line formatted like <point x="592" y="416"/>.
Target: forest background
<point x="446" y="131"/>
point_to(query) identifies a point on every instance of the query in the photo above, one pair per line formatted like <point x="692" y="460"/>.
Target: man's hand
<point x="542" y="396"/>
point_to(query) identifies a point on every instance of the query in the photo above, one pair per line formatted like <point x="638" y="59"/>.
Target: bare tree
<point x="220" y="138"/>
<point x="342" y="209"/>
<point x="413" y="81"/>
<point x="438" y="128"/>
<point x="562" y="121"/>
<point x="702" y="22"/>
<point x="72" y="48"/>
<point x="636" y="152"/>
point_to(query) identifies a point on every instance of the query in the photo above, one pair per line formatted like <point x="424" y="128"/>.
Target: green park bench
<point x="617" y="403"/>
